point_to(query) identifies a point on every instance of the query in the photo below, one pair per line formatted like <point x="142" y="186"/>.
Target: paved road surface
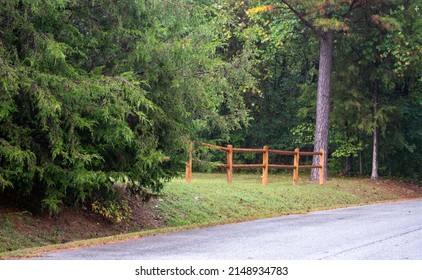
<point x="381" y="231"/>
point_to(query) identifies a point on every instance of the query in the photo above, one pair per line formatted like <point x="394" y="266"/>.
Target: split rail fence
<point x="265" y="165"/>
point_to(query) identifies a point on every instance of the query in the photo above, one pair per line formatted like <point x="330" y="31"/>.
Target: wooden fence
<point x="265" y="165"/>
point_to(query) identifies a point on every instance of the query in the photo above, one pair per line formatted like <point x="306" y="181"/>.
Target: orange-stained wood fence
<point x="230" y="166"/>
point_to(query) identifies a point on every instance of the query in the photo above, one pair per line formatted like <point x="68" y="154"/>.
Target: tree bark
<point x="323" y="101"/>
<point x="374" y="175"/>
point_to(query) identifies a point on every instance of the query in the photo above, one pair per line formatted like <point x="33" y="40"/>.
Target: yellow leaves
<point x="385" y="23"/>
<point x="119" y="210"/>
<point x="330" y="23"/>
<point x="260" y="9"/>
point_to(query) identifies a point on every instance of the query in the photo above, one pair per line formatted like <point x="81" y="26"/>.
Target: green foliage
<point x="303" y="135"/>
<point x="379" y="59"/>
<point x="347" y="147"/>
<point x="379" y="45"/>
<point x="274" y="34"/>
<point x="112" y="210"/>
<point x="93" y="90"/>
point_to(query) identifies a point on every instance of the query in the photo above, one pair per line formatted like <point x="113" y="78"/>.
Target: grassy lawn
<point x="210" y="200"/>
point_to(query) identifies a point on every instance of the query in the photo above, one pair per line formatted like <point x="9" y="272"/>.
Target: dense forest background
<point x="106" y="91"/>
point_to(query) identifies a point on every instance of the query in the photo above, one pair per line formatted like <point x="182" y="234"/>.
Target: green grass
<point x="10" y="237"/>
<point x="210" y="200"/>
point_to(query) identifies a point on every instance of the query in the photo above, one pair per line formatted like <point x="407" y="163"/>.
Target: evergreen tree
<point x="104" y="92"/>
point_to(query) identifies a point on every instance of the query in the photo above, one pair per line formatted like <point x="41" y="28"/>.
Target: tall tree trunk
<point x="323" y="100"/>
<point x="374" y="175"/>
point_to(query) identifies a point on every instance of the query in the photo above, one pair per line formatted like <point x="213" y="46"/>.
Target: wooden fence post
<point x="188" y="174"/>
<point x="296" y="167"/>
<point x="229" y="163"/>
<point x="265" y="168"/>
<point x="322" y="164"/>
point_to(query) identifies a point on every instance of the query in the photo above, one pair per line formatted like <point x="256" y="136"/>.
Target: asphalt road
<point x="391" y="231"/>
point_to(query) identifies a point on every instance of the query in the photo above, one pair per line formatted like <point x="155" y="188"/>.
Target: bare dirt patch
<point x="380" y="190"/>
<point x="22" y="229"/>
<point x="403" y="189"/>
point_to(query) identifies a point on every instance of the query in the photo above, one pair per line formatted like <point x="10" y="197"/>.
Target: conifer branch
<point x="302" y="18"/>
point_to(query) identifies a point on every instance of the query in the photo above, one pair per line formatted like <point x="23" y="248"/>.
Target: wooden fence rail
<point x="230" y="166"/>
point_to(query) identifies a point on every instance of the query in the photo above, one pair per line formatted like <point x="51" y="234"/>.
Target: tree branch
<point x="302" y="18"/>
<point x="355" y="4"/>
<point x="352" y="6"/>
<point x="359" y="4"/>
